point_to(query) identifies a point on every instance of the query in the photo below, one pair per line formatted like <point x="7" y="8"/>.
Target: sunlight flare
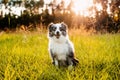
<point x="82" y="7"/>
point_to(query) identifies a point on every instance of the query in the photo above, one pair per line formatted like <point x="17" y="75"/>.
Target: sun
<point x="81" y="7"/>
<point x="84" y="8"/>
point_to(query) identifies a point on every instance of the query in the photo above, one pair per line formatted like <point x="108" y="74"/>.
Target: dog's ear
<point x="50" y="26"/>
<point x="64" y="26"/>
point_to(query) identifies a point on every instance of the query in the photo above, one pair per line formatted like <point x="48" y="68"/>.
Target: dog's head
<point x="57" y="30"/>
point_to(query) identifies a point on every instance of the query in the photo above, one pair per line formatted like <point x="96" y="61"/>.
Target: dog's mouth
<point x="57" y="36"/>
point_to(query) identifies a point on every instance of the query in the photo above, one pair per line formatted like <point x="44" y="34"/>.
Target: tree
<point x="5" y="1"/>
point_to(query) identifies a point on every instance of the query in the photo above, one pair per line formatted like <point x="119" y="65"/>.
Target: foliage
<point x="25" y="57"/>
<point x="102" y="22"/>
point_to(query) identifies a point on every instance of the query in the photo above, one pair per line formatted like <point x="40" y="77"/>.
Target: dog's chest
<point x="60" y="50"/>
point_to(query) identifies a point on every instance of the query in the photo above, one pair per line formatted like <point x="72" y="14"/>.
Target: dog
<point x="61" y="48"/>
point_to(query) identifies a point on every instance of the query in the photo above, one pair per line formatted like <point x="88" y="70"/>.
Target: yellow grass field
<point x="24" y="56"/>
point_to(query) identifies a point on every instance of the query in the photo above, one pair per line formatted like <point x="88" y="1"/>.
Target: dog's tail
<point x="75" y="62"/>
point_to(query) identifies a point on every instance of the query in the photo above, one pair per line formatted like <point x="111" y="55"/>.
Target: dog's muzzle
<point x="57" y="34"/>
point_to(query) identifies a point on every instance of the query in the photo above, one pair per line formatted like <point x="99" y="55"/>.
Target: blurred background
<point x="101" y="16"/>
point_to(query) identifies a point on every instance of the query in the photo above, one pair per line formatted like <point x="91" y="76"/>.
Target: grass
<point x="24" y="56"/>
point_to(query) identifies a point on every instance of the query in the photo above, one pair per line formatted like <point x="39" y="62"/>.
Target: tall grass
<point x="25" y="57"/>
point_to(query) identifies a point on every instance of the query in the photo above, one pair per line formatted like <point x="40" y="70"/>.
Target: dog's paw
<point x="70" y="67"/>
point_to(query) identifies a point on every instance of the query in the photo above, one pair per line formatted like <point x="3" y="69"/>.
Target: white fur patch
<point x="59" y="47"/>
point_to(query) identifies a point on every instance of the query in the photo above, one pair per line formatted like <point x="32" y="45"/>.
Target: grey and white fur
<point x="61" y="48"/>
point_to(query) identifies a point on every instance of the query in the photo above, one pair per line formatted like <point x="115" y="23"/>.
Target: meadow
<point x="25" y="56"/>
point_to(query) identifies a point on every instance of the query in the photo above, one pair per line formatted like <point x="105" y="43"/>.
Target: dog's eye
<point x="54" y="28"/>
<point x="62" y="29"/>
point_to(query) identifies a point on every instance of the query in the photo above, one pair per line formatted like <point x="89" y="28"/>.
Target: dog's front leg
<point x="56" y="62"/>
<point x="53" y="57"/>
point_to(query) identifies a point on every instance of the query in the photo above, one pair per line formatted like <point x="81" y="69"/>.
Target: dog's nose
<point x="57" y="32"/>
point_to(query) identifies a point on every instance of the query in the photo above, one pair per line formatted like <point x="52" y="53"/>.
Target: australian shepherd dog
<point x="61" y="49"/>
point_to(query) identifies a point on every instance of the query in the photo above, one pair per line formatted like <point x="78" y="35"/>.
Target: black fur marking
<point x="63" y="29"/>
<point x="51" y="30"/>
<point x="75" y="62"/>
<point x="71" y="57"/>
<point x="71" y="60"/>
<point x="62" y="63"/>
